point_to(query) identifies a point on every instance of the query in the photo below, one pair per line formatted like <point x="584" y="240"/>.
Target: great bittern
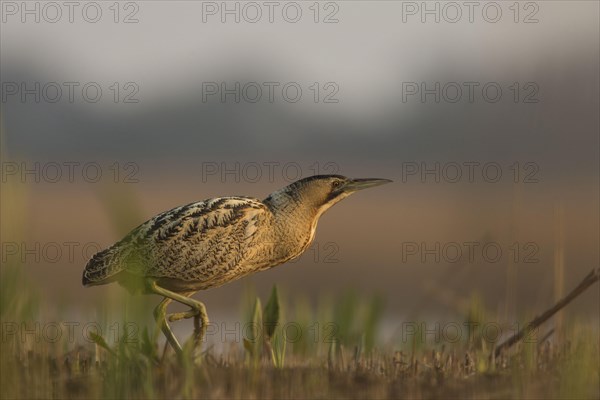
<point x="212" y="242"/>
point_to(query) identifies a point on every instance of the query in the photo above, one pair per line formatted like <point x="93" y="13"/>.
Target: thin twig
<point x="588" y="281"/>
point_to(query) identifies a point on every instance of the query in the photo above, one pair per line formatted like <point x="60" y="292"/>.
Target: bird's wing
<point x="196" y="242"/>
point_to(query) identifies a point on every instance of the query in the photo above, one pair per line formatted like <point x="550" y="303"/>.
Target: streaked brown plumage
<point x="209" y="243"/>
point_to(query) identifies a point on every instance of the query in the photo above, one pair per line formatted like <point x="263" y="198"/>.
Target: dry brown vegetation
<point x="353" y="364"/>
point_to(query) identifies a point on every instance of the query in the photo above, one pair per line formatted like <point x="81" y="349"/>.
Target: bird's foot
<point x="182" y="315"/>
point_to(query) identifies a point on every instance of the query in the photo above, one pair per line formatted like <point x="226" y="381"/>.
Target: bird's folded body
<point x="209" y="243"/>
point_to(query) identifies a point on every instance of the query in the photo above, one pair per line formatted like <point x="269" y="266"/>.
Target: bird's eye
<point x="336" y="184"/>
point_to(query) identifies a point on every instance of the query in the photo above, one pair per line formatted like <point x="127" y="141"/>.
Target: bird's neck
<point x="291" y="207"/>
<point x="295" y="218"/>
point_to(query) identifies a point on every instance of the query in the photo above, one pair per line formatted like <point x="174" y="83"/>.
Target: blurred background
<point x="116" y="112"/>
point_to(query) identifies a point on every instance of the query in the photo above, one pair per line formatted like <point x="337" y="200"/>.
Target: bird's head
<point x="320" y="192"/>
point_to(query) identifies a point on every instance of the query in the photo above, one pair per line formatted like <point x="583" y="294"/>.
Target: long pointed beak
<point x="359" y="184"/>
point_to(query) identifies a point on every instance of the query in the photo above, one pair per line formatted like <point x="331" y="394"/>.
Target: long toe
<point x="182" y="315"/>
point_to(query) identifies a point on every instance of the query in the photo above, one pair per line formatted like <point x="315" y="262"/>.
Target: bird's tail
<point x="102" y="268"/>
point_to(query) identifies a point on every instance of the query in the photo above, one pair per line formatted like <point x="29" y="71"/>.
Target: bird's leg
<point x="159" y="311"/>
<point x="200" y="320"/>
<point x="183" y="315"/>
<point x="198" y="324"/>
<point x="198" y="310"/>
<point x="161" y="322"/>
